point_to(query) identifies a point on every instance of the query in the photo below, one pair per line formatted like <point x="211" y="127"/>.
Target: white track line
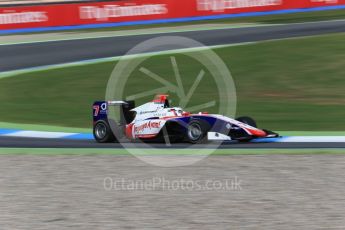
<point x="39" y="134"/>
<point x="116" y="58"/>
<point x="290" y="139"/>
<point x="302" y="139"/>
<point x="314" y="139"/>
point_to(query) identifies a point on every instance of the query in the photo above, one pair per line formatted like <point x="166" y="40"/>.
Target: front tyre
<point x="102" y="132"/>
<point x="247" y="120"/>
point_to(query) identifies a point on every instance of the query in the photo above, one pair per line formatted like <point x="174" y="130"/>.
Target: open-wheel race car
<point x="157" y="121"/>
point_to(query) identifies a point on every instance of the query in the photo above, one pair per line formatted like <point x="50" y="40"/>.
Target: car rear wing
<point x="100" y="111"/>
<point x="117" y="103"/>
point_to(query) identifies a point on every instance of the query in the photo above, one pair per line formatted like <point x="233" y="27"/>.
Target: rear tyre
<point x="247" y="120"/>
<point x="197" y="131"/>
<point x="102" y="132"/>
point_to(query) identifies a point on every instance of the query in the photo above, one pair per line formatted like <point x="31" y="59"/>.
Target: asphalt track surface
<point x="23" y="142"/>
<point x="21" y="56"/>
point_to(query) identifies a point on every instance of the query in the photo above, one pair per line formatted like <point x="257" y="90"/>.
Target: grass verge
<point x="295" y="84"/>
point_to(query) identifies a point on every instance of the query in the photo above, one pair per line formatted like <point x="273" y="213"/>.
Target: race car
<point x="157" y="121"/>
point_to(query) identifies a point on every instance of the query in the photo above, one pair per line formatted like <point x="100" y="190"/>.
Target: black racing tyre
<point x="102" y="132"/>
<point x="247" y="120"/>
<point x="197" y="131"/>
